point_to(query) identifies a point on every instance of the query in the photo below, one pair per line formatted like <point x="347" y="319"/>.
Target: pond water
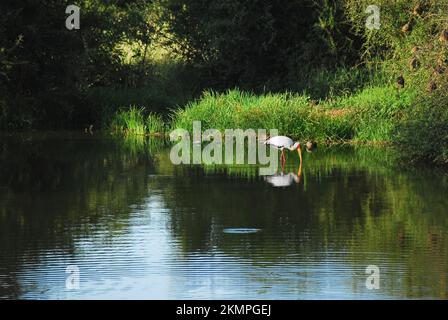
<point x="137" y="227"/>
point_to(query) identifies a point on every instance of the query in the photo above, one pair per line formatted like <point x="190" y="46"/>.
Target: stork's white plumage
<point x="282" y="143"/>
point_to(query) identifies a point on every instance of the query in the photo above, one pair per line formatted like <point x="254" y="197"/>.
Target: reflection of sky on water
<point x="145" y="262"/>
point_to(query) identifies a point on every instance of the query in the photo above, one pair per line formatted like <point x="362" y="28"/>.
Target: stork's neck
<point x="295" y="146"/>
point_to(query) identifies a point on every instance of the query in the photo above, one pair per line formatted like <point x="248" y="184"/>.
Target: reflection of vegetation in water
<point x="412" y="228"/>
<point x="352" y="200"/>
<point x="323" y="161"/>
<point x="356" y="200"/>
<point x="57" y="189"/>
<point x="140" y="144"/>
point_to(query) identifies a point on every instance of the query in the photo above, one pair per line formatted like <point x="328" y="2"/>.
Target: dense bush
<point x="423" y="134"/>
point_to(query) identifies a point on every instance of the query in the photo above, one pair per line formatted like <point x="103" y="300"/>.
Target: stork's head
<point x="311" y="146"/>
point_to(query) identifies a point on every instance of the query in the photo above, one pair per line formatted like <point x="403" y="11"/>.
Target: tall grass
<point x="291" y="114"/>
<point x="137" y="122"/>
<point x="369" y="115"/>
<point x="376" y="111"/>
<point x="374" y="114"/>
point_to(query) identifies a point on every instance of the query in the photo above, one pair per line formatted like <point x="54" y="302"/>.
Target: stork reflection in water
<point x="285" y="180"/>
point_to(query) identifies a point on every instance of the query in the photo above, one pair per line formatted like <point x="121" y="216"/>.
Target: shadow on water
<point x="140" y="227"/>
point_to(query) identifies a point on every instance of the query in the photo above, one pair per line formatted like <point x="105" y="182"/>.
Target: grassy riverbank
<point x="373" y="115"/>
<point x="368" y="116"/>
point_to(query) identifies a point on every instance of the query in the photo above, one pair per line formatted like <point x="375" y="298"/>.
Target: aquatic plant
<point x="135" y="121"/>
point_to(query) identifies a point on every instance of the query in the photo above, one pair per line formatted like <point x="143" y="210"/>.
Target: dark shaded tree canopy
<point x="45" y="69"/>
<point x="253" y="43"/>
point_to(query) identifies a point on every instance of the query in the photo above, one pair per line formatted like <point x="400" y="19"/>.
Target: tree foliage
<point x="44" y="66"/>
<point x="258" y="43"/>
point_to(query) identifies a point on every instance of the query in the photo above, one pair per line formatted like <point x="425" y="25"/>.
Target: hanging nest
<point x="439" y="69"/>
<point x="441" y="61"/>
<point x="418" y="10"/>
<point x="414" y="64"/>
<point x="400" y="82"/>
<point x="407" y="28"/>
<point x="432" y="86"/>
<point x="444" y="36"/>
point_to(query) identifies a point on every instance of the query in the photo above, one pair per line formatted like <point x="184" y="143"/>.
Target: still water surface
<point x="138" y="227"/>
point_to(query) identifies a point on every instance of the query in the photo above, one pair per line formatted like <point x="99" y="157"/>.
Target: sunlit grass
<point x="369" y="115"/>
<point x="130" y="121"/>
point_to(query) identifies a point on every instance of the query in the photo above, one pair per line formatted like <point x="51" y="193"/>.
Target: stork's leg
<point x="282" y="159"/>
